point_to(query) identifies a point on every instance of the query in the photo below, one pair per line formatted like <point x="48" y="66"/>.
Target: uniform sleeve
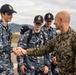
<point x="22" y="43"/>
<point x="20" y="60"/>
<point x="48" y="59"/>
<point x="74" y="47"/>
<point x="73" y="43"/>
<point x="46" y="49"/>
<point x="1" y="45"/>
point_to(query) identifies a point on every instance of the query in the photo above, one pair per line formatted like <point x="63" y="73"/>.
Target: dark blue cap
<point x="7" y="8"/>
<point x="38" y="19"/>
<point x="48" y="17"/>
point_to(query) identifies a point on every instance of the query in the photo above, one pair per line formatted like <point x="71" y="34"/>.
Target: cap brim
<point x="38" y="22"/>
<point x="11" y="12"/>
<point x="49" y="20"/>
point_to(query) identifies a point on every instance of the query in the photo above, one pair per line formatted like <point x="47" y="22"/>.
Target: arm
<point x="48" y="59"/>
<point x="39" y="51"/>
<point x="73" y="44"/>
<point x="21" y="43"/>
<point x="1" y="46"/>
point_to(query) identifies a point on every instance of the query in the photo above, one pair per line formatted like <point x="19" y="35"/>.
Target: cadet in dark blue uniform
<point x="24" y="28"/>
<point x="51" y="32"/>
<point x="6" y="66"/>
<point x="31" y="39"/>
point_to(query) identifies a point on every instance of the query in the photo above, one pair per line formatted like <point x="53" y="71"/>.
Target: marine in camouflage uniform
<point x="34" y="65"/>
<point x="6" y="66"/>
<point x="51" y="32"/>
<point x="63" y="44"/>
<point x="65" y="48"/>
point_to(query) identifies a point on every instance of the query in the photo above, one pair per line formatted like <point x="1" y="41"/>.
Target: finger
<point x="22" y="53"/>
<point x="25" y="67"/>
<point x="22" y="70"/>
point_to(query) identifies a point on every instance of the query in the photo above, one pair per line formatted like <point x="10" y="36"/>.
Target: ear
<point x="61" y="19"/>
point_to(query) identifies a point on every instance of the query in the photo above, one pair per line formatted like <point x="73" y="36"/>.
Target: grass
<point x="15" y="38"/>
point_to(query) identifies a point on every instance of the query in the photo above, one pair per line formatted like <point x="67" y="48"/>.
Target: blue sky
<point x="28" y="9"/>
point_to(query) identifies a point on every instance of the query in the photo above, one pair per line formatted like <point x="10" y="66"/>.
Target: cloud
<point x="28" y="9"/>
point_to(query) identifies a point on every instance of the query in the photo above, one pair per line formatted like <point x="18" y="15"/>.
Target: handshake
<point x="19" y="51"/>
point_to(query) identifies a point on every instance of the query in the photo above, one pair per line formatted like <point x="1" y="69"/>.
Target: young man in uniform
<point x="24" y="28"/>
<point x="51" y="32"/>
<point x="30" y="65"/>
<point x="6" y="66"/>
<point x="64" y="45"/>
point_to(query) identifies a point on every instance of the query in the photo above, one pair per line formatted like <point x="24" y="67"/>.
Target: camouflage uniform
<point x="51" y="32"/>
<point x="65" y="47"/>
<point x="34" y="64"/>
<point x="6" y="66"/>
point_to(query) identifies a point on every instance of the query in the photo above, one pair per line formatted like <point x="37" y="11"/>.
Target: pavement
<point x="13" y="58"/>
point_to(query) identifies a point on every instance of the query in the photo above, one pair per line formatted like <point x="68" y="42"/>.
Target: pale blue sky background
<point x="28" y="9"/>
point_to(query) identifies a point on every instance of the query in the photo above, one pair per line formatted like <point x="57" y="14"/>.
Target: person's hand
<point x="19" y="51"/>
<point x="45" y="69"/>
<point x="54" y="61"/>
<point x="22" y="69"/>
<point x="22" y="50"/>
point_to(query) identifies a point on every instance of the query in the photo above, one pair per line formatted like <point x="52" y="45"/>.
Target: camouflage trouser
<point x="68" y="73"/>
<point x="7" y="72"/>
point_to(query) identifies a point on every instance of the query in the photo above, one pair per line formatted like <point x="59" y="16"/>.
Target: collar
<point x="50" y="29"/>
<point x="66" y="34"/>
<point x="6" y="27"/>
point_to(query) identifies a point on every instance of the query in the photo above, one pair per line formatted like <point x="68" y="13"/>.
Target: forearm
<point x="20" y="60"/>
<point x="47" y="62"/>
<point x="39" y="51"/>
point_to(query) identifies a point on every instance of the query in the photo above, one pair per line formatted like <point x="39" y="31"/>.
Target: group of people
<point x="40" y="51"/>
<point x="38" y="36"/>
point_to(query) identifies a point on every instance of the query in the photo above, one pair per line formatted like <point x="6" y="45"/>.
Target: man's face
<point x="7" y="17"/>
<point x="57" y="23"/>
<point x="48" y="23"/>
<point x="37" y="26"/>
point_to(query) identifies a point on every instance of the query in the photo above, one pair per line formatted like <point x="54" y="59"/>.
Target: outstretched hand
<point x="19" y="51"/>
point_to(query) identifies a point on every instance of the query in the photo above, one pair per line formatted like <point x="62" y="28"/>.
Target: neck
<point x="64" y="29"/>
<point x="5" y="22"/>
<point x="48" y="27"/>
<point x="36" y="30"/>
